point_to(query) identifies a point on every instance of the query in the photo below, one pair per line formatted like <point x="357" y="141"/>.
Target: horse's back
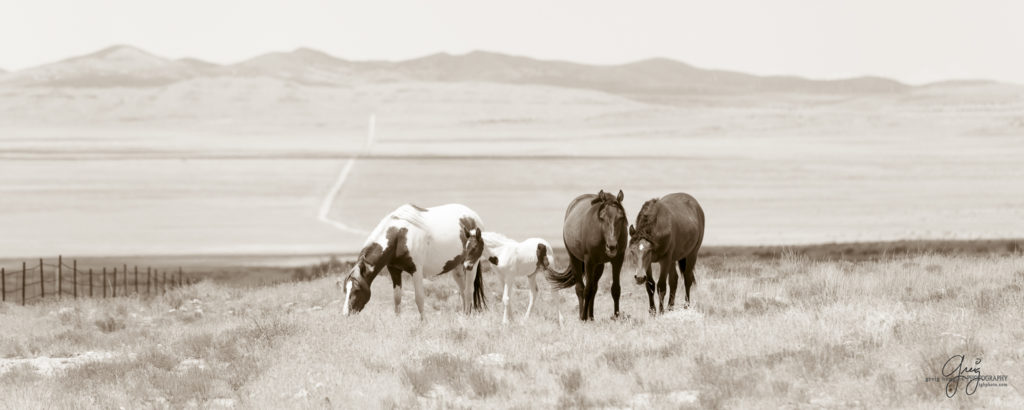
<point x="685" y="204"/>
<point x="574" y="224"/>
<point x="578" y="206"/>
<point x="434" y="233"/>
<point x="687" y="217"/>
<point x="526" y="255"/>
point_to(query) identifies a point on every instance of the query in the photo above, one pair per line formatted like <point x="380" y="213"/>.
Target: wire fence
<point x="37" y="280"/>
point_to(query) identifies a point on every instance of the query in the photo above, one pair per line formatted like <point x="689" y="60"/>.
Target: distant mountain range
<point x="126" y="66"/>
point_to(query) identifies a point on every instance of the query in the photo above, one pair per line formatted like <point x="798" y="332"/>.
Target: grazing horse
<point x="594" y="233"/>
<point x="669" y="231"/>
<point x="513" y="259"/>
<point x="426" y="242"/>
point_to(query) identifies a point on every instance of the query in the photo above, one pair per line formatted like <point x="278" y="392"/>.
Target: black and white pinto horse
<point x="512" y="259"/>
<point x="425" y="242"/>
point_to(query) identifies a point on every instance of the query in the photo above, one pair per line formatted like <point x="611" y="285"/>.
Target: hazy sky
<point x="914" y="41"/>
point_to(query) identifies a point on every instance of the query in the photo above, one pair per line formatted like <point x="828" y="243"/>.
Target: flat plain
<point x="114" y="177"/>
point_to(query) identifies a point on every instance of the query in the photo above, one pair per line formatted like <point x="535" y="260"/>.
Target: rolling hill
<point x="126" y="66"/>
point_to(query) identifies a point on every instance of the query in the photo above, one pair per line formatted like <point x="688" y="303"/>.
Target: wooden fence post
<point x="105" y="283"/>
<point x="148" y="277"/>
<point x="136" y="279"/>
<point x="90" y="282"/>
<point x="124" y="281"/>
<point x="114" y="288"/>
<point x="23" y="283"/>
<point x="74" y="277"/>
<point x="60" y="284"/>
<point x="3" y="276"/>
<point x="165" y="283"/>
<point x="42" y="287"/>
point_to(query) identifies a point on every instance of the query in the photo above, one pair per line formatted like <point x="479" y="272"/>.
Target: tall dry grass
<point x="764" y="332"/>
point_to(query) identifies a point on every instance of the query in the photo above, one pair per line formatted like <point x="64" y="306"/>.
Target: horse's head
<point x="372" y="259"/>
<point x="357" y="288"/>
<point x="638" y="255"/>
<point x="641" y="243"/>
<point x="612" y="218"/>
<point x="473" y="247"/>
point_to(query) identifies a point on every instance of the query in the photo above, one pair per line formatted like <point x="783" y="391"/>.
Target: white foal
<point x="515" y="259"/>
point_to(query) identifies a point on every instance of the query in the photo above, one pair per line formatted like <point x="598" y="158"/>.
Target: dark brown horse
<point x="594" y="233"/>
<point x="669" y="231"/>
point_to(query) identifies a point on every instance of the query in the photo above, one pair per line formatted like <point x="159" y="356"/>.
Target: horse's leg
<point x="673" y="282"/>
<point x="688" y="279"/>
<point x="592" y="289"/>
<point x="396" y="285"/>
<point x="459" y="274"/>
<point x="650" y="291"/>
<point x="533" y="295"/>
<point x="616" y="288"/>
<point x="578" y="269"/>
<point x="662" y="275"/>
<point x="504" y="296"/>
<point x="417" y="280"/>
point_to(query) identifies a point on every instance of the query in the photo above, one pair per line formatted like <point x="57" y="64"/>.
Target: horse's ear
<point x="632" y="230"/>
<point x="619" y="196"/>
<point x="479" y="234"/>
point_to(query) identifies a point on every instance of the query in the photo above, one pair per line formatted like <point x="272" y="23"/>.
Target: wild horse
<point x="426" y="242"/>
<point x="513" y="259"/>
<point x="668" y="231"/>
<point x="594" y="233"/>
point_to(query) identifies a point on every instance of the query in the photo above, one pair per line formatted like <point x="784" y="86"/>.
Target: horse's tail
<point x="560" y="280"/>
<point x="479" y="297"/>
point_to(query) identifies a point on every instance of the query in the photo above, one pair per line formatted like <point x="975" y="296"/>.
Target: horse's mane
<point x="645" y="220"/>
<point x="605" y="199"/>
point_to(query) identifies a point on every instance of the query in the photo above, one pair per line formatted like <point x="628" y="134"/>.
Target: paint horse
<point x="512" y="259"/>
<point x="425" y="242"/>
<point x="594" y="233"/>
<point x="668" y="231"/>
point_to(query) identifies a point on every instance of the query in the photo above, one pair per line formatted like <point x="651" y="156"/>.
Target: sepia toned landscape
<point x="161" y="156"/>
<point x="859" y="232"/>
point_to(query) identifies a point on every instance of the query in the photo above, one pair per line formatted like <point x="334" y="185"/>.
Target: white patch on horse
<point x="348" y="294"/>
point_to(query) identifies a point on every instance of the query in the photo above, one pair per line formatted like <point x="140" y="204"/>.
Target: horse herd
<point x="428" y="242"/>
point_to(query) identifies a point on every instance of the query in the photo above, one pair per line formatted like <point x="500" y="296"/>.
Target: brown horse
<point x="670" y="231"/>
<point x="594" y="233"/>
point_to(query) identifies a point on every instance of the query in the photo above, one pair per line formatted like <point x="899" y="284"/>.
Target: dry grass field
<point x="767" y="331"/>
